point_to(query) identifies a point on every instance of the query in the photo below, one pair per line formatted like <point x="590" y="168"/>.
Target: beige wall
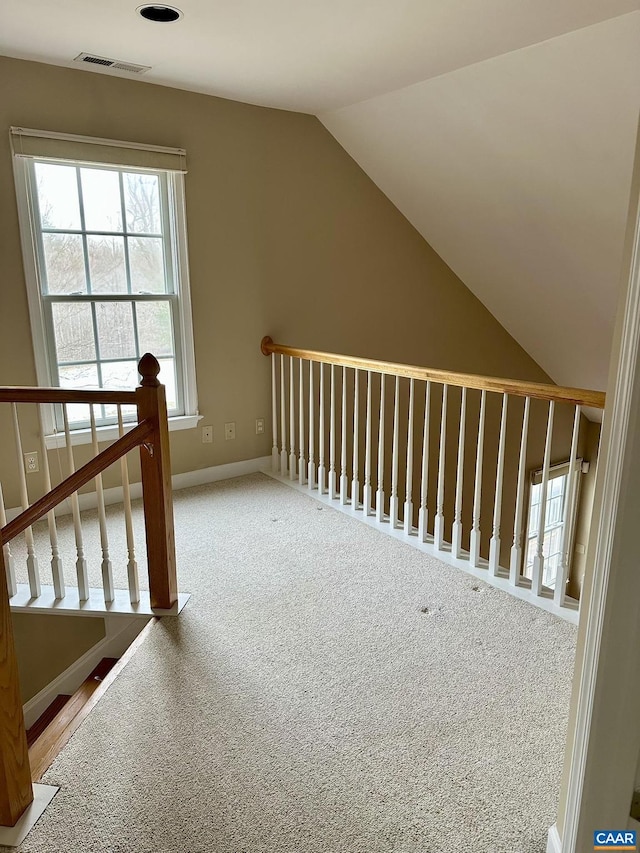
<point x="590" y="442"/>
<point x="287" y="236"/>
<point x="47" y="645"/>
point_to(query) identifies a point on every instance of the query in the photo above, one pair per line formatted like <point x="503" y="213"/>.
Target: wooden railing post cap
<point x="149" y="368"/>
<point x="265" y="345"/>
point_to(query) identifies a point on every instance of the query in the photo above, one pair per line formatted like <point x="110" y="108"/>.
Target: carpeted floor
<point x="327" y="689"/>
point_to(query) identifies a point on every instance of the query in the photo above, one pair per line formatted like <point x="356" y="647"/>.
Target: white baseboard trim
<point x="121" y="631"/>
<point x="200" y="477"/>
<point x="554" y="844"/>
<point x="219" y="472"/>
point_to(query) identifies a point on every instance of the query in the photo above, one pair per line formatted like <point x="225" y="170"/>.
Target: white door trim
<point x="603" y="747"/>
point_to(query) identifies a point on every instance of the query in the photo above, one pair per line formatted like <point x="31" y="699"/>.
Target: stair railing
<point x="152" y="437"/>
<point x="447" y="458"/>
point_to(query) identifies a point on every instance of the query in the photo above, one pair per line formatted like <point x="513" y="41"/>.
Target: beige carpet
<point x="327" y="689"/>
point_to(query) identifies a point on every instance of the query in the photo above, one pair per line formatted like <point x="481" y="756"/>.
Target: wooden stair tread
<point x="46" y="718"/>
<point x="71" y="714"/>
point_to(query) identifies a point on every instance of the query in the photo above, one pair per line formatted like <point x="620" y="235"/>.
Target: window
<point x="557" y="516"/>
<point x="105" y="257"/>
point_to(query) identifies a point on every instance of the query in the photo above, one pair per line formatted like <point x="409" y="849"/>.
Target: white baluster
<point x="274" y="415"/>
<point x="516" y="549"/>
<point x="9" y="562"/>
<point x="311" y="471"/>
<point x="56" y="561"/>
<point x="408" y="502"/>
<point x="538" y="560"/>
<point x="567" y="520"/>
<point x="366" y="489"/>
<point x="439" y="519"/>
<point x="283" y="420"/>
<point x="393" y="501"/>
<point x="81" y="563"/>
<point x="321" y="465"/>
<point x="292" y="423"/>
<point x="107" y="571"/>
<point x="344" y="480"/>
<point x="355" y="462"/>
<point x="332" y="435"/>
<point x="494" y="542"/>
<point x="32" y="560"/>
<point x="474" y="545"/>
<point x="380" y="491"/>
<point x="132" y="565"/>
<point x="301" y="461"/>
<point x="423" y="512"/>
<point x="456" y="531"/>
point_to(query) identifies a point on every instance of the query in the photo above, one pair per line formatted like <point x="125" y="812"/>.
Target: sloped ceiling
<point x="517" y="171"/>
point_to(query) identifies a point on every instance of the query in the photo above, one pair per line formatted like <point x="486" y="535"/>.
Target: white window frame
<point x="560" y="470"/>
<point x="42" y="345"/>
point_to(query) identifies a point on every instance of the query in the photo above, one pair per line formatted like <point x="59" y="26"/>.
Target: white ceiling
<point x="307" y="56"/>
<point x="517" y="171"/>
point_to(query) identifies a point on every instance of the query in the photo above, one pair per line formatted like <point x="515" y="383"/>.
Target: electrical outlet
<point x="259" y="426"/>
<point x="230" y="431"/>
<point x="207" y="435"/>
<point x="31" y="462"/>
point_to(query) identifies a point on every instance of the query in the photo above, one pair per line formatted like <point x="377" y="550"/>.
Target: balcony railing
<point x="446" y="458"/>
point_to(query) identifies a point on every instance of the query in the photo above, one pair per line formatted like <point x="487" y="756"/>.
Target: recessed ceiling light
<point x="161" y="14"/>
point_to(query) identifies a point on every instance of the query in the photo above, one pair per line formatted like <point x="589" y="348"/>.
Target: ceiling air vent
<point x="115" y="64"/>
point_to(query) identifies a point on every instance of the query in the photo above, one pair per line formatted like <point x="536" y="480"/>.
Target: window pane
<point x="531" y="552"/>
<point x="101" y="199"/>
<point x="168" y="378"/>
<point x="557" y="485"/>
<point x="142" y="202"/>
<point x="147" y="265"/>
<point x="116" y="337"/>
<point x="129" y="413"/>
<point x="73" y="330"/>
<point x="64" y="262"/>
<point x="155" y="334"/>
<point x="58" y="196"/>
<point x="106" y="264"/>
<point x="82" y="376"/>
<point x="554" y="511"/>
<point x="120" y="375"/>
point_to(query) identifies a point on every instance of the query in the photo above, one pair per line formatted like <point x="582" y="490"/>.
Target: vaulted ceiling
<point x="503" y="129"/>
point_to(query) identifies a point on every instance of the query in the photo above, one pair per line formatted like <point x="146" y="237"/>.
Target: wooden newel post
<point x="16" y="790"/>
<point x="156" y="487"/>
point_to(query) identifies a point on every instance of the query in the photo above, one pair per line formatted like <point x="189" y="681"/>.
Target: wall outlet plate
<point x="259" y="426"/>
<point x="31" y="464"/>
<point x="230" y="431"/>
<point x="207" y="435"/>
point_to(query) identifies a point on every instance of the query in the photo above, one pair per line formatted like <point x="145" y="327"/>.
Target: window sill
<point x="110" y="433"/>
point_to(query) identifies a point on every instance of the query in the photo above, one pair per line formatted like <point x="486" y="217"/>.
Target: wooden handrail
<point x="518" y="387"/>
<point x="19" y="394"/>
<point x="80" y="478"/>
